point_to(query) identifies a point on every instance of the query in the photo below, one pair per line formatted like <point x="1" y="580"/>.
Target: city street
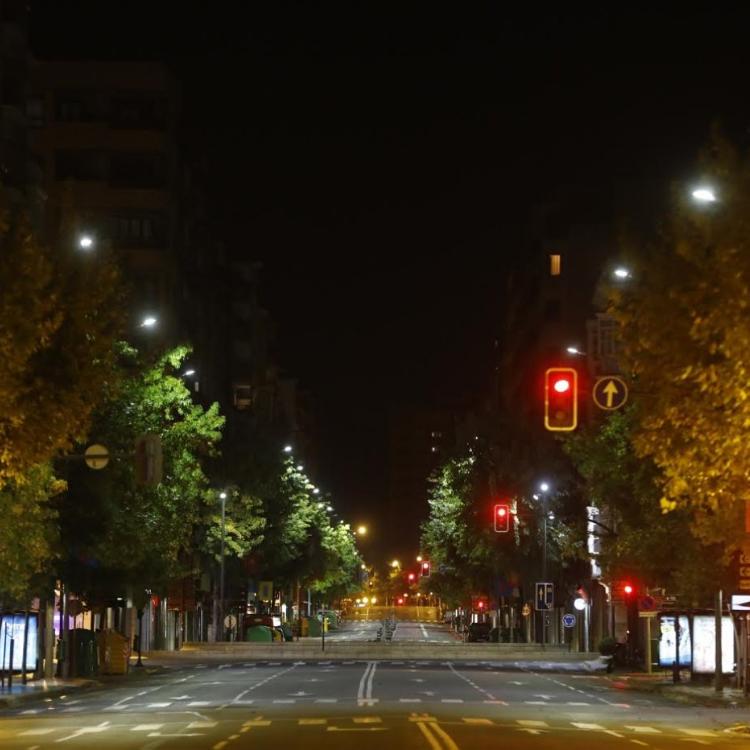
<point x="411" y="704"/>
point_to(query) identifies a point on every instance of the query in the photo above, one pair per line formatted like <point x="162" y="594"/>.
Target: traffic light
<point x="627" y="589"/>
<point x="561" y="399"/>
<point x="425" y="569"/>
<point x="411" y="577"/>
<point x="502" y="518"/>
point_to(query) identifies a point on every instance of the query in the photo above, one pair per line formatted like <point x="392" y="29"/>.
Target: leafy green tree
<point x="685" y="336"/>
<point x="28" y="534"/>
<point x="117" y="531"/>
<point x="60" y="314"/>
<point x="638" y="541"/>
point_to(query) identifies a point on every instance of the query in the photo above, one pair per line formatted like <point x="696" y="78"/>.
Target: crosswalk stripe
<point x="202" y="724"/>
<point x="532" y="723"/>
<point x="698" y="732"/>
<point x="35" y="732"/>
<point x="588" y="727"/>
<point x="310" y="722"/>
<point x="146" y="727"/>
<point x="452" y="700"/>
<point x="644" y="730"/>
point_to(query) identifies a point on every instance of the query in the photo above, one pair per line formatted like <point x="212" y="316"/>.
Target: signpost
<point x="96" y="456"/>
<point x="545" y="600"/>
<point x="610" y="392"/>
<point x="569" y="621"/>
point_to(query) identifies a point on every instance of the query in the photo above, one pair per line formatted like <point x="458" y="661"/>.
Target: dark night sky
<point x="381" y="166"/>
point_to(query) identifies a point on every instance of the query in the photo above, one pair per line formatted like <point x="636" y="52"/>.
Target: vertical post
<point x="719" y="675"/>
<point x="49" y="636"/>
<point x="10" y="663"/>
<point x="544" y="571"/>
<point x="220" y="624"/>
<point x="139" y="663"/>
<point x="676" y="665"/>
<point x="648" y="645"/>
<point x="25" y="651"/>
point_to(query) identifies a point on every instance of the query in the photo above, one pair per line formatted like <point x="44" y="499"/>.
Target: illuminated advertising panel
<point x="667" y="650"/>
<point x="12" y="628"/>
<point x="704" y="644"/>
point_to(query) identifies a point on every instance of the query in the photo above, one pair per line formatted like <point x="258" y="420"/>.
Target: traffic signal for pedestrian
<point x="561" y="399"/>
<point x="502" y="518"/>
<point x="425" y="569"/>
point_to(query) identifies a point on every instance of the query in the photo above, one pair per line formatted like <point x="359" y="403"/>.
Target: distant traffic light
<point x="628" y="589"/>
<point x="425" y="569"/>
<point x="411" y="577"/>
<point x="561" y="399"/>
<point x="502" y="518"/>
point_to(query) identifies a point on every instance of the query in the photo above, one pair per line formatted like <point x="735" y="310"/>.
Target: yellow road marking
<point x="477" y="721"/>
<point x="304" y="722"/>
<point x="434" y="744"/>
<point x="449" y="743"/>
<point x="367" y="720"/>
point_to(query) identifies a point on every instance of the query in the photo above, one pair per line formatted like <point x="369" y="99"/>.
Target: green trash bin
<point x="313" y="627"/>
<point x="259" y="634"/>
<point x="84" y="662"/>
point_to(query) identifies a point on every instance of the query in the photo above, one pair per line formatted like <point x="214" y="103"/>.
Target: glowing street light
<point x="419" y="558"/>
<point x="361" y="530"/>
<point x="300" y="467"/>
<point x="621" y="273"/>
<point x="395" y="564"/>
<point x="704" y="194"/>
<point x="544" y="487"/>
<point x="575" y="350"/>
<point x="188" y="373"/>
<point x="287" y="449"/>
<point x="85" y="242"/>
<point x="149" y="321"/>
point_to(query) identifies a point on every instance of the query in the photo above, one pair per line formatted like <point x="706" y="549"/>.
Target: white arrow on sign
<point x="741" y="602"/>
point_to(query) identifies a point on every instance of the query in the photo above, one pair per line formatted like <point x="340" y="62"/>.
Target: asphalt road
<point x="414" y="631"/>
<point x="431" y="706"/>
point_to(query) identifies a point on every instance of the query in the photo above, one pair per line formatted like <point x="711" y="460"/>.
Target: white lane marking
<point x="577" y="703"/>
<point x="531" y="723"/>
<point x="543" y="696"/>
<point x="486" y="693"/>
<point x="452" y="700"/>
<point x="35" y="732"/>
<point x="409" y="700"/>
<point x="146" y="727"/>
<point x="273" y="676"/>
<point x="640" y="742"/>
<point x="364" y="692"/>
<point x="103" y="727"/>
<point x="644" y="730"/>
<point x="587" y="727"/>
<point x="202" y="724"/>
<point x="536" y="703"/>
<point x="424" y="631"/>
<point x="30" y="711"/>
<point x="327" y="700"/>
<point x="196" y="704"/>
<point x="697" y="732"/>
<point x="159" y="705"/>
<point x="284" y="700"/>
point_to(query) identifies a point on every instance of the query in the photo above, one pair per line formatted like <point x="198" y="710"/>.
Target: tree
<point x="28" y="534"/>
<point x="637" y="540"/>
<point x="117" y="532"/>
<point x="60" y="315"/>
<point x="685" y="334"/>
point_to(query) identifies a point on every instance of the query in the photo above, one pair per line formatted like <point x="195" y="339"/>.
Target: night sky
<point x="383" y="167"/>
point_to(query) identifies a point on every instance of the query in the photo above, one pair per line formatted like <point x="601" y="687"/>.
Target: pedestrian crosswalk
<point x="534" y="726"/>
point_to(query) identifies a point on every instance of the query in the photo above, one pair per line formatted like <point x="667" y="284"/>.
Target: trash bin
<point x="114" y="652"/>
<point x="313" y="627"/>
<point x="259" y="634"/>
<point x="83" y="653"/>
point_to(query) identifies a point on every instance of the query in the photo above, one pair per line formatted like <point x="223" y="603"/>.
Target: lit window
<point x="554" y="265"/>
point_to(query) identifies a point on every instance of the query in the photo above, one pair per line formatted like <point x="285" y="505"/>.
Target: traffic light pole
<point x="544" y="569"/>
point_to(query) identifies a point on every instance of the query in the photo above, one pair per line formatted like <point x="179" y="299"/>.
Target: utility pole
<point x="220" y="624"/>
<point x="719" y="676"/>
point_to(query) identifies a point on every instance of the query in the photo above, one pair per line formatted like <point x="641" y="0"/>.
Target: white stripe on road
<point x="364" y="691"/>
<point x="424" y="631"/>
<point x="588" y="727"/>
<point x="644" y="730"/>
<point x="35" y="732"/>
<point x="238" y="698"/>
<point x="103" y="727"/>
<point x="531" y="723"/>
<point x="146" y="727"/>
<point x="476" y="687"/>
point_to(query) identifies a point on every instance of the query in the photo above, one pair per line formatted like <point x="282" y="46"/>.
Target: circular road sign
<point x="526" y="611"/>
<point x="569" y="620"/>
<point x="610" y="392"/>
<point x="96" y="456"/>
<point x="230" y="621"/>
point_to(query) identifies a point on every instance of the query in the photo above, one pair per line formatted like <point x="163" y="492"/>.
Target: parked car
<point x="479" y="631"/>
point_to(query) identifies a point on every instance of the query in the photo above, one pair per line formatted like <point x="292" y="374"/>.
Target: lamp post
<point x="544" y="489"/>
<point x="223" y="497"/>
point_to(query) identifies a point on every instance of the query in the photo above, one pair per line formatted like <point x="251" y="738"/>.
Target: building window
<point x="243" y="397"/>
<point x="554" y="265"/>
<point x="85" y="164"/>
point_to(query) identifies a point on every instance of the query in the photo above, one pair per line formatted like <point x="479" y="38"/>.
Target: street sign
<point x="569" y="621"/>
<point x="526" y="610"/>
<point x="648" y="603"/>
<point x="610" y="392"/>
<point x="740" y="602"/>
<point x="96" y="456"/>
<point x="265" y="591"/>
<point x="545" y="595"/>
<point x="230" y="622"/>
<point x="743" y="582"/>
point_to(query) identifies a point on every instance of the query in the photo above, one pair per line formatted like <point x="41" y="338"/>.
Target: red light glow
<point x="501" y="511"/>
<point x="481" y="605"/>
<point x="628" y="589"/>
<point x="562" y="385"/>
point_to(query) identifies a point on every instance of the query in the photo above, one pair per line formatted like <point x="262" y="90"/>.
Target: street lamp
<point x="544" y="489"/>
<point x="576" y="351"/>
<point x="361" y="530"/>
<point x="704" y="194"/>
<point x="149" y="321"/>
<point x="395" y="564"/>
<point x="220" y="624"/>
<point x="315" y="491"/>
<point x="287" y="449"/>
<point x="621" y="273"/>
<point x="86" y="242"/>
<point x="419" y="558"/>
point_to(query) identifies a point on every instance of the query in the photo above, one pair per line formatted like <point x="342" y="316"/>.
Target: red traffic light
<point x="425" y="569"/>
<point x="628" y="589"/>
<point x="411" y="576"/>
<point x="561" y="399"/>
<point x="400" y="600"/>
<point x="502" y="518"/>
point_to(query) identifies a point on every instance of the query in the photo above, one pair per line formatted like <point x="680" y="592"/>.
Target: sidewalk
<point x="697" y="694"/>
<point x="48" y="689"/>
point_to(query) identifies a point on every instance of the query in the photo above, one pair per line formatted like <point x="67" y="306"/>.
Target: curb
<point x="683" y="694"/>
